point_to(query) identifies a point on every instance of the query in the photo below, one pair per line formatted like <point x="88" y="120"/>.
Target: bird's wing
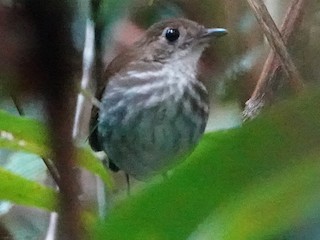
<point x="117" y="64"/>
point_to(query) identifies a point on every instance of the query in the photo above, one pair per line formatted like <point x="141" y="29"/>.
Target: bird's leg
<point x="128" y="183"/>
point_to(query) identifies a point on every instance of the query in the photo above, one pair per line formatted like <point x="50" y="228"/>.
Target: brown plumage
<point x="153" y="108"/>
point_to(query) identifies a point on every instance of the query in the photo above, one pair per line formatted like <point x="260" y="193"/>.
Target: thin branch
<point x="275" y="40"/>
<point x="52" y="170"/>
<point x="99" y="26"/>
<point x="88" y="95"/>
<point x="84" y="100"/>
<point x="17" y="105"/>
<point x="272" y="71"/>
<point x="99" y="22"/>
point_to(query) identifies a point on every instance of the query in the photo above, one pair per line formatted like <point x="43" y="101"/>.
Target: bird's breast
<point x="143" y="127"/>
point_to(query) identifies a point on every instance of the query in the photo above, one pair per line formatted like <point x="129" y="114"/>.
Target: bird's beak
<point x="214" y="32"/>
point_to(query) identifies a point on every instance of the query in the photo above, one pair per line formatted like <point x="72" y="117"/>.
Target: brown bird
<point x="153" y="108"/>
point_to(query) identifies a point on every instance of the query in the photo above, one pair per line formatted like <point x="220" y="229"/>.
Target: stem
<point x="279" y="58"/>
<point x="57" y="61"/>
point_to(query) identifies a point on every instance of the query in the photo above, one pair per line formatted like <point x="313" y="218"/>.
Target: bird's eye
<point x="172" y="34"/>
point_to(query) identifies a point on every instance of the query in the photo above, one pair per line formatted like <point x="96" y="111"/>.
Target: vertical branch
<point x="278" y="59"/>
<point x="83" y="109"/>
<point x="98" y="30"/>
<point x="56" y="55"/>
<point x="99" y="24"/>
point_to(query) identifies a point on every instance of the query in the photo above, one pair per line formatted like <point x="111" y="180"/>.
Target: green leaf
<point x="88" y="161"/>
<point x="19" y="190"/>
<point x="24" y="134"/>
<point x="268" y="207"/>
<point x="222" y="170"/>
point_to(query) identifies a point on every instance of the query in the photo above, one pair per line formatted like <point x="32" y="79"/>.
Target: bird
<point x="153" y="108"/>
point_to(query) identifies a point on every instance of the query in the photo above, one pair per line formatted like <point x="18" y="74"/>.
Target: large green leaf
<point x="24" y="134"/>
<point x="267" y="207"/>
<point x="19" y="190"/>
<point x="228" y="169"/>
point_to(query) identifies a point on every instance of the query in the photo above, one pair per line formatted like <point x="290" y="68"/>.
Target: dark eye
<point x="172" y="34"/>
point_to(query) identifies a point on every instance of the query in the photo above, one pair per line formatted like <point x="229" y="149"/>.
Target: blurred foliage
<point x="32" y="168"/>
<point x="19" y="190"/>
<point x="257" y="181"/>
<point x="251" y="182"/>
<point x="24" y="134"/>
<point x="245" y="183"/>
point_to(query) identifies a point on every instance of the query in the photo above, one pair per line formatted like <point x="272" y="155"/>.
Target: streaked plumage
<point x="153" y="108"/>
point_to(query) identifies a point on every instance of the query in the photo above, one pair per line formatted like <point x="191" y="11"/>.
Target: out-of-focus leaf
<point x="88" y="161"/>
<point x="109" y="10"/>
<point x="24" y="134"/>
<point x="223" y="167"/>
<point x="32" y="169"/>
<point x="19" y="190"/>
<point x="268" y="207"/>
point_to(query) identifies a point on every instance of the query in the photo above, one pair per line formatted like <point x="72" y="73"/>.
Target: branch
<point x="57" y="61"/>
<point x="278" y="59"/>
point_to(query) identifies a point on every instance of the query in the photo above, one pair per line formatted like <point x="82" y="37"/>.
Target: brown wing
<point x="117" y="64"/>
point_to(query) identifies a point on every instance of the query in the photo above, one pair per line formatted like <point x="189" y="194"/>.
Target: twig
<point x="84" y="100"/>
<point x="52" y="170"/>
<point x="93" y="100"/>
<point x="17" y="105"/>
<point x="270" y="75"/>
<point x="99" y="25"/>
<point x="99" y="22"/>
<point x="275" y="40"/>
